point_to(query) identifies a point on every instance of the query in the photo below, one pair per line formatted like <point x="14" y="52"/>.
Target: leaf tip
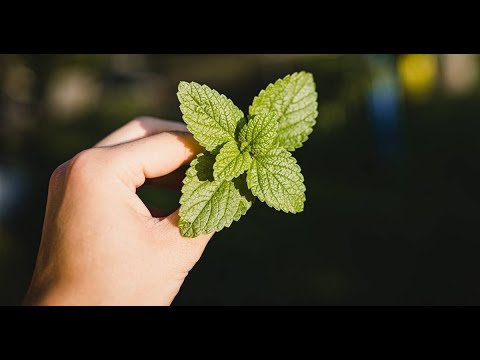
<point x="183" y="85"/>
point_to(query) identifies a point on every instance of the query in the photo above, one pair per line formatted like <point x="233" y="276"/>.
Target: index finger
<point x="139" y="128"/>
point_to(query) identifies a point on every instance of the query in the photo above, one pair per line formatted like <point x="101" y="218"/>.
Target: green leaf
<point x="246" y="199"/>
<point x="230" y="162"/>
<point x="294" y="100"/>
<point x="275" y="178"/>
<point x="208" y="204"/>
<point x="240" y="126"/>
<point x="260" y="132"/>
<point x="242" y="132"/>
<point x="211" y="117"/>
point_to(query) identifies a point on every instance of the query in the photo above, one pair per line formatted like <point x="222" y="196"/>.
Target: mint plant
<point x="245" y="157"/>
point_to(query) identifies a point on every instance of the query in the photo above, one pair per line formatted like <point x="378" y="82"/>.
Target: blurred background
<point x="392" y="171"/>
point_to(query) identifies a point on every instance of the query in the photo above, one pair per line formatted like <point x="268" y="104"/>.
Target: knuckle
<point x="139" y="121"/>
<point x="85" y="162"/>
<point x="58" y="174"/>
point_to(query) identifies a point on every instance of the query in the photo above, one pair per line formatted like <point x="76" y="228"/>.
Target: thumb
<point x="153" y="156"/>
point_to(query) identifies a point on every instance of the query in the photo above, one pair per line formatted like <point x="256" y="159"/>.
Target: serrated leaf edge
<point x="305" y="136"/>
<point x="216" y="228"/>
<point x="297" y="166"/>
<point x="223" y="96"/>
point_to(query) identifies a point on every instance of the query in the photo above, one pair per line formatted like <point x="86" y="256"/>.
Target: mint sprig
<point x="245" y="157"/>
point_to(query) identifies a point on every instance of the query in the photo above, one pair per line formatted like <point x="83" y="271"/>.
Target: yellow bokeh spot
<point x="418" y="73"/>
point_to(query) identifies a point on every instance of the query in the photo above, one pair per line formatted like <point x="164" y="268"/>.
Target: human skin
<point x="101" y="245"/>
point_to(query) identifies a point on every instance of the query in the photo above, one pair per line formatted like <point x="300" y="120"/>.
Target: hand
<point x="100" y="244"/>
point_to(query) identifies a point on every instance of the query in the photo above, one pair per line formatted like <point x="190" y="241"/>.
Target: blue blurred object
<point x="11" y="191"/>
<point x="384" y="107"/>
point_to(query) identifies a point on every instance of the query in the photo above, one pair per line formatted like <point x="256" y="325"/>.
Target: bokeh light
<point x="418" y="74"/>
